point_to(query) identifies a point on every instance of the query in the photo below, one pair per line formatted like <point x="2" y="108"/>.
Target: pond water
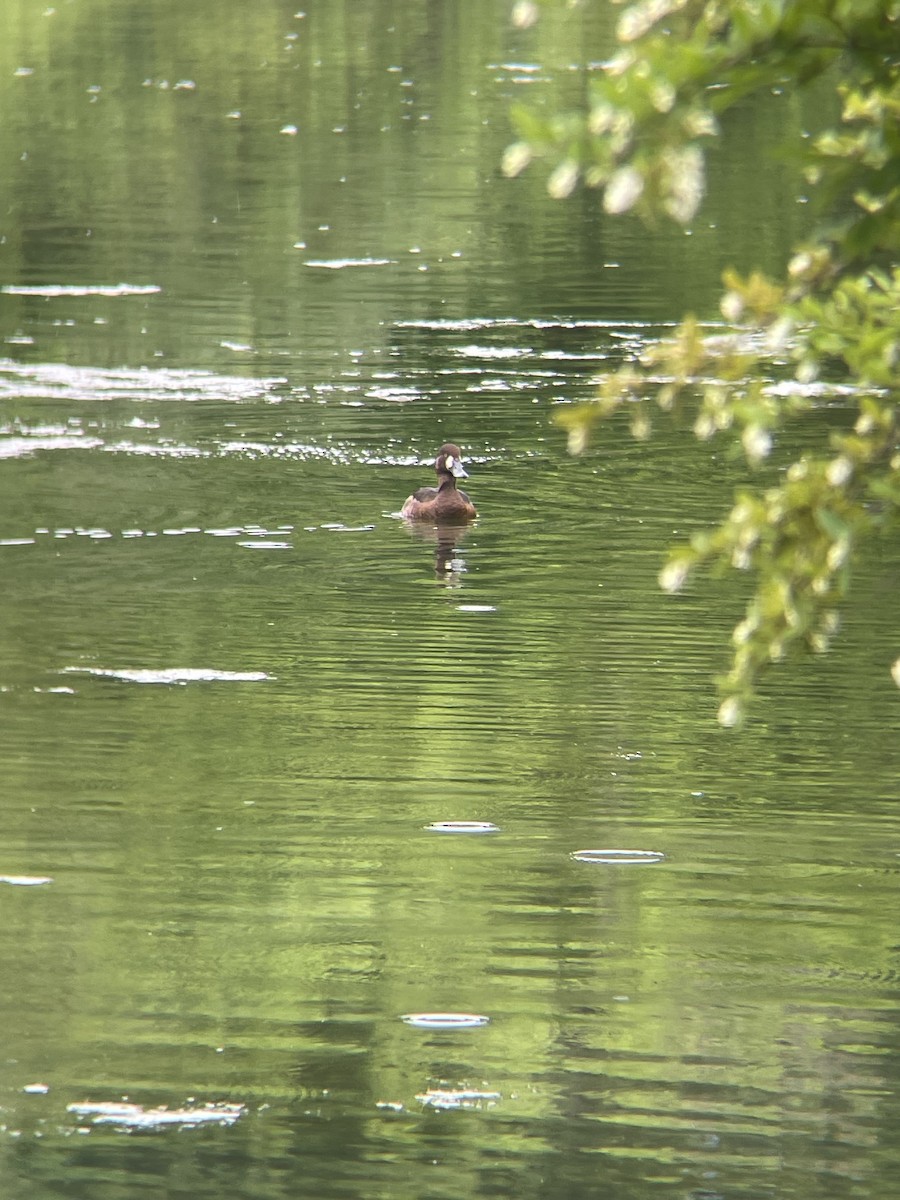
<point x="313" y="869"/>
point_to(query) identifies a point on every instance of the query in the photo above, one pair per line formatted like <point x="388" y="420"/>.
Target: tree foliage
<point x="681" y="64"/>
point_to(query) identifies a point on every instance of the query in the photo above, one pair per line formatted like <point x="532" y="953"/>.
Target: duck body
<point x="446" y="502"/>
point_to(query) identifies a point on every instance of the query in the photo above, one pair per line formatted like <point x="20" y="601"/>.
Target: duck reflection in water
<point x="449" y="567"/>
<point x="441" y="514"/>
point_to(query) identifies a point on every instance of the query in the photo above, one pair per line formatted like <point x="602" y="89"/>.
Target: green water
<point x="258" y="265"/>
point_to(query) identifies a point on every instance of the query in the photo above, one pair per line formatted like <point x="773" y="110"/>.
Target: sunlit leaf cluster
<point x="834" y="316"/>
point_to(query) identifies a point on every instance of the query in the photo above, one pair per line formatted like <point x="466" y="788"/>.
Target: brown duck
<point x="446" y="502"/>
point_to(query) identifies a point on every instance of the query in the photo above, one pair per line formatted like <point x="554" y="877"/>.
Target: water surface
<point x="254" y="271"/>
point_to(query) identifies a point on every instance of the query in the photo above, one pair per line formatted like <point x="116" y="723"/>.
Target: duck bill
<point x="457" y="470"/>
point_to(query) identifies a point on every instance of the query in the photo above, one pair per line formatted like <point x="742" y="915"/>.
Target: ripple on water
<point x="451" y="1098"/>
<point x="396" y="395"/>
<point x="22" y="446"/>
<point x="618" y="857"/>
<point x="463" y="827"/>
<point x="264" y="544"/>
<point x="135" y="1116"/>
<point x="445" y="1020"/>
<point x="254" y="537"/>
<point x="339" y="527"/>
<point x="96" y="289"/>
<point x="60" y="381"/>
<point x="170" y="675"/>
<point x="340" y="264"/>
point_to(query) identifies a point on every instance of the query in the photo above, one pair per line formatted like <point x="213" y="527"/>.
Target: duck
<point x="446" y="502"/>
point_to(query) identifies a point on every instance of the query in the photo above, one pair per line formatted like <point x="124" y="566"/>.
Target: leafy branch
<point x="836" y="313"/>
